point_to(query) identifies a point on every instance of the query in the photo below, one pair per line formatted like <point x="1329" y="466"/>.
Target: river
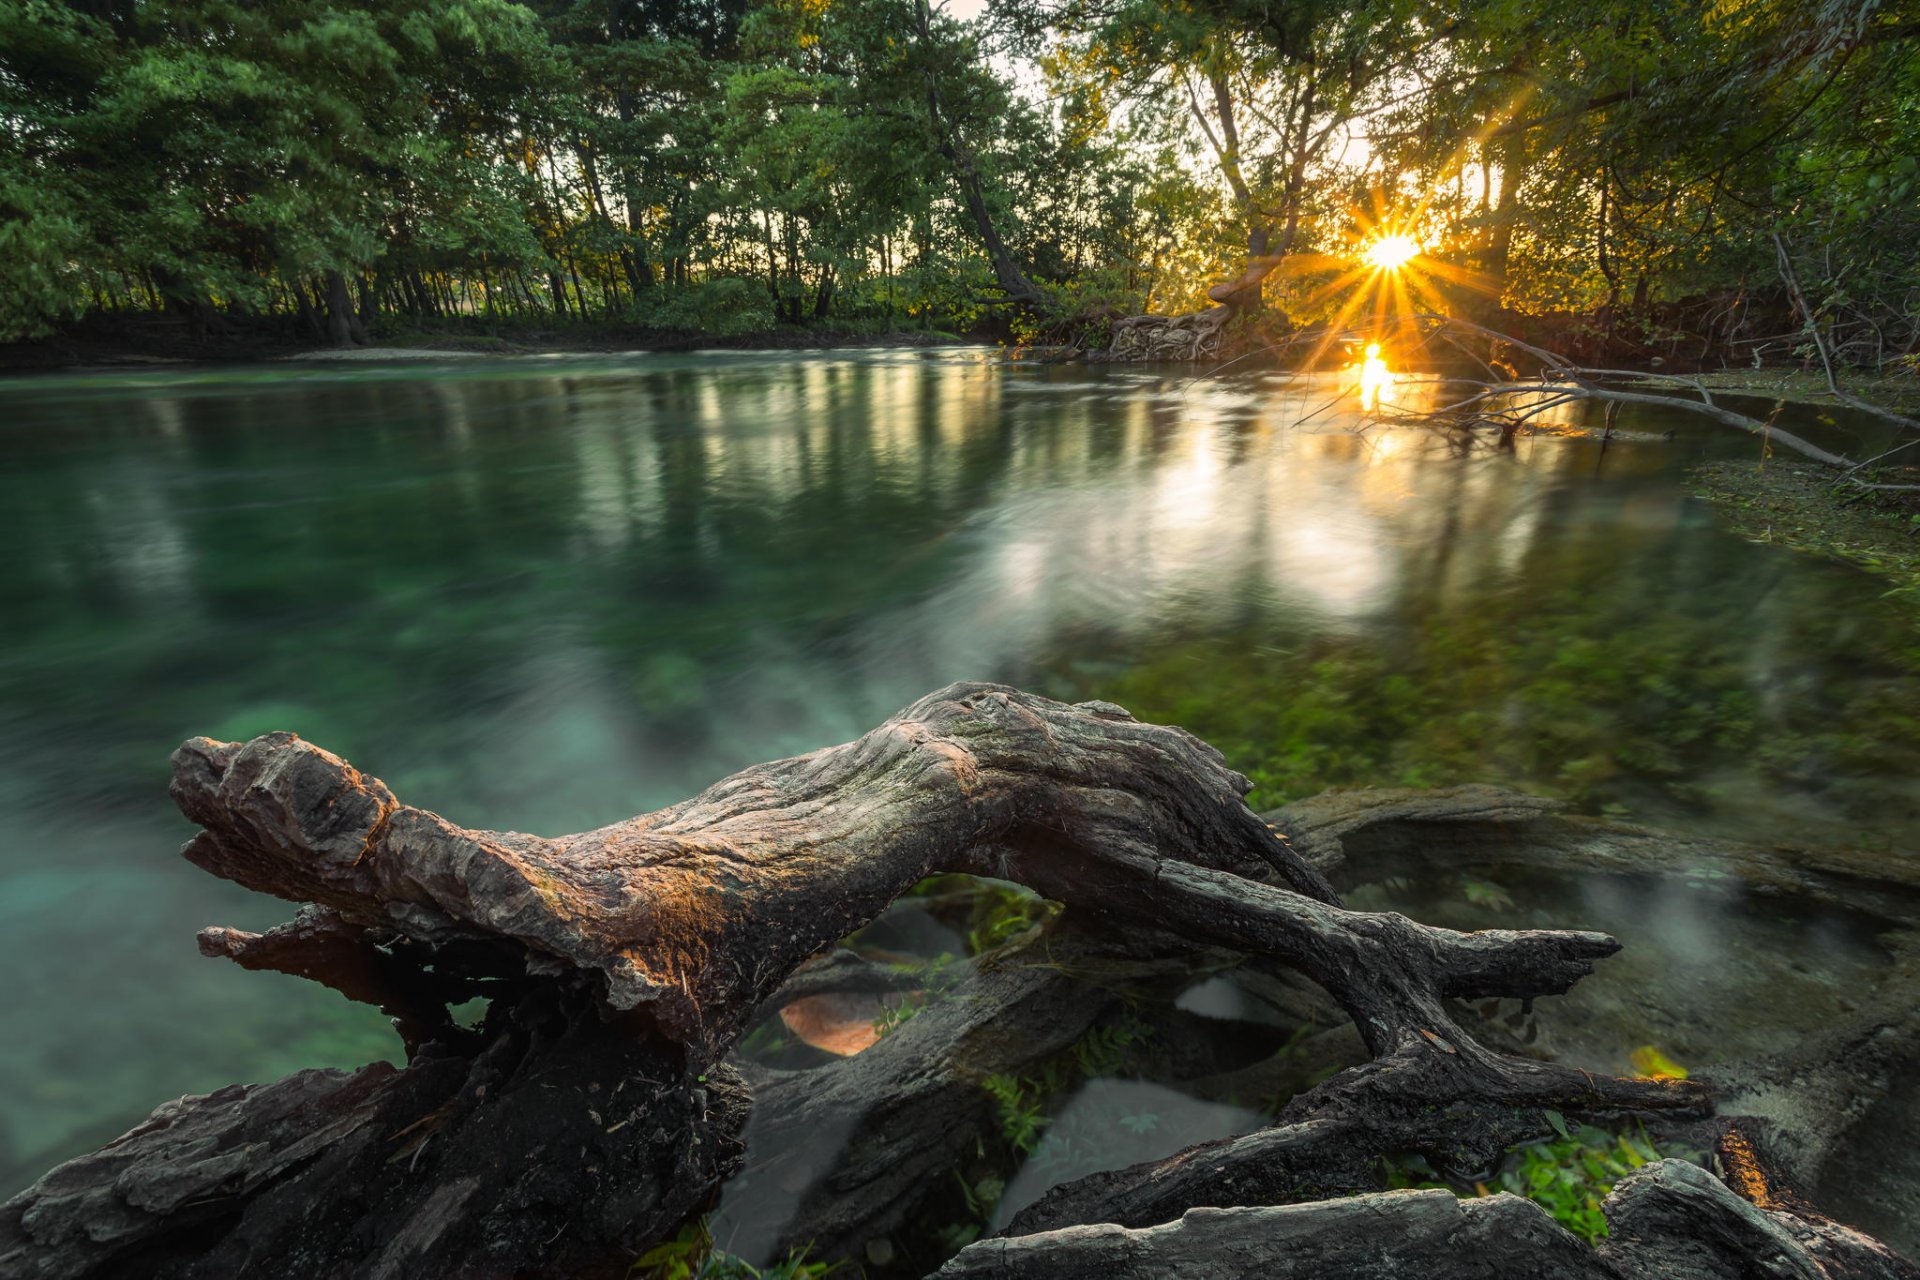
<point x="545" y="593"/>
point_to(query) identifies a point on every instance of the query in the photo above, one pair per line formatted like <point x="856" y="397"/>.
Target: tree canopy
<point x="732" y="165"/>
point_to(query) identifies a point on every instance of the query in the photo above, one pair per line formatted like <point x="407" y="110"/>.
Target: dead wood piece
<point x="782" y="859"/>
<point x="1832" y="1104"/>
<point x="589" y="1113"/>
<point x="1508" y="405"/>
<point x="1670" y="1221"/>
<point x="1430" y="1234"/>
<point x="192" y="1160"/>
<point x="1456" y="1104"/>
<point x="566" y="1146"/>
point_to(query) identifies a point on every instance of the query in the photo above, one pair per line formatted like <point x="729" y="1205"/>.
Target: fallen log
<point x="591" y="1111"/>
<point x="1669" y="1220"/>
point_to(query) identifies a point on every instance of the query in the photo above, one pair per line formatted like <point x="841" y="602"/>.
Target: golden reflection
<point x="1392" y="269"/>
<point x="1374" y="377"/>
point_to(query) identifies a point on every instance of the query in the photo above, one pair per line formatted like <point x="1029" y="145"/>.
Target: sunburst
<point x="1390" y="252"/>
<point x="1388" y="274"/>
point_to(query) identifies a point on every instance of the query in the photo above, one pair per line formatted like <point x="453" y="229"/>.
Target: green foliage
<point x="691" y="1255"/>
<point x="1004" y="911"/>
<point x="726" y="306"/>
<point x="1570" y="1175"/>
<point x="1019" y="1104"/>
<point x="723" y="167"/>
<point x="937" y="978"/>
<point x="740" y="164"/>
<point x="1022" y="1101"/>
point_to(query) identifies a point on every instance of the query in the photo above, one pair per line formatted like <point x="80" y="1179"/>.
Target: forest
<point x="1203" y="638"/>
<point x="1032" y="171"/>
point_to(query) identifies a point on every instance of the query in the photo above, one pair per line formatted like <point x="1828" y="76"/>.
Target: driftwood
<point x="592" y="1110"/>
<point x="1831" y="1106"/>
<point x="1671" y="1221"/>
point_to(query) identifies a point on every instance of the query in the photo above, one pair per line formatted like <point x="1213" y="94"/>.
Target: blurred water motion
<point x="545" y="594"/>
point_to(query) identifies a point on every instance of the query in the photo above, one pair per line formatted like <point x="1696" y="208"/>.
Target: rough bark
<point x="564" y="1146"/>
<point x="1444" y="1098"/>
<point x="343" y="322"/>
<point x="590" y="1112"/>
<point x="692" y="916"/>
<point x="1671" y="1221"/>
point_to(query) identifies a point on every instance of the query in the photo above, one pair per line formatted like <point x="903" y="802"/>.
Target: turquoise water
<point x="543" y="594"/>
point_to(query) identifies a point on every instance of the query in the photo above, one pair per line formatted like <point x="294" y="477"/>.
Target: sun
<point x="1390" y="253"/>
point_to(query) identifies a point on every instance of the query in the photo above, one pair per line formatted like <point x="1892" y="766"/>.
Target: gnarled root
<point x="590" y="1112"/>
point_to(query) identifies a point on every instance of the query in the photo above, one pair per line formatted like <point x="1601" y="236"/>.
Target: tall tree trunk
<point x="953" y="148"/>
<point x="823" y="297"/>
<point x="303" y="307"/>
<point x="1243" y="291"/>
<point x="1506" y="211"/>
<point x="370" y="291"/>
<point x="343" y="324"/>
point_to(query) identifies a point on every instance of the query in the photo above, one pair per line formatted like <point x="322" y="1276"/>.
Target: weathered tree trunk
<point x="591" y="1110"/>
<point x="343" y="323"/>
<point x="1506" y="213"/>
<point x="303" y="307"/>
<point x="370" y="290"/>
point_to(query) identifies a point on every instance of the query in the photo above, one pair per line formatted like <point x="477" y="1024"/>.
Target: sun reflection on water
<point x="1374" y="378"/>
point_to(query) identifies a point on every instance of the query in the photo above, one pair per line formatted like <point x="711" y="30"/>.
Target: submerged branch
<point x="1501" y="403"/>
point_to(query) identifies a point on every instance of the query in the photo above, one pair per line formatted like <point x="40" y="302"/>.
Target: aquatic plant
<point x="1003" y="911"/>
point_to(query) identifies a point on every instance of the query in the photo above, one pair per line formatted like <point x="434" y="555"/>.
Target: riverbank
<point x="1805" y="507"/>
<point x="169" y="341"/>
<point x="1899" y="392"/>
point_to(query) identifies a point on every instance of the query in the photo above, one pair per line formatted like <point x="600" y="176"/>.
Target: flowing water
<point x="543" y="594"/>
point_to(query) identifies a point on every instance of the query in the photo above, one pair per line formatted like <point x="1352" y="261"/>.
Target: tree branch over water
<point x="1510" y="403"/>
